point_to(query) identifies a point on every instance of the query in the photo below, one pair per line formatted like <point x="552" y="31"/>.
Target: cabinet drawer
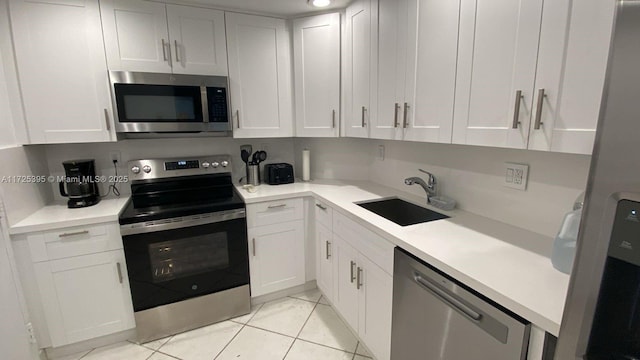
<point x="273" y="212"/>
<point x="369" y="244"/>
<point x="74" y="241"/>
<point x="324" y="214"/>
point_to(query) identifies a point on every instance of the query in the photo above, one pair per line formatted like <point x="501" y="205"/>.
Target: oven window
<point x="158" y="103"/>
<point x="188" y="256"/>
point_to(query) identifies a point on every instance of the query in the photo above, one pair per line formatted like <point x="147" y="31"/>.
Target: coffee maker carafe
<point x="82" y="188"/>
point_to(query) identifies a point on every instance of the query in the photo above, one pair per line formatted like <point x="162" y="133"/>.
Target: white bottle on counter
<point x="564" y="246"/>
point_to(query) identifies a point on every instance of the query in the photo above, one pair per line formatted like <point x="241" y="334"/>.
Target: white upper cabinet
<point x="360" y="64"/>
<point x="565" y="117"/>
<point x="393" y="39"/>
<point x="259" y="76"/>
<point x="430" y="111"/>
<point x="316" y="47"/>
<point x="198" y="40"/>
<point x="498" y="48"/>
<point x="61" y="66"/>
<point x="154" y="37"/>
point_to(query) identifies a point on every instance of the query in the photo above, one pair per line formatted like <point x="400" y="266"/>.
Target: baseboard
<point x="54" y="353"/>
<point x="309" y="285"/>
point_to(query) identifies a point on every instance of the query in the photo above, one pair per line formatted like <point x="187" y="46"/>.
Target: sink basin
<point x="401" y="212"/>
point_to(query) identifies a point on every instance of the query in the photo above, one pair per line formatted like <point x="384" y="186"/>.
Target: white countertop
<point x="59" y="216"/>
<point x="493" y="258"/>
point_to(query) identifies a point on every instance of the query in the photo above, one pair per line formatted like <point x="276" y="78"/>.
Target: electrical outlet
<point x="30" y="333"/>
<point x="115" y="155"/>
<point x="515" y="175"/>
<point x="381" y="152"/>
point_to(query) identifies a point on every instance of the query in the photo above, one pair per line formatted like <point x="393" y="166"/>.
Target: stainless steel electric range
<point x="185" y="241"/>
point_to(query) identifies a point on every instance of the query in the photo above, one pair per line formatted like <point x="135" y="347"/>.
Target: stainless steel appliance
<point x="600" y="320"/>
<point x="169" y="103"/>
<point x="435" y="317"/>
<point x="185" y="242"/>
<point x="82" y="185"/>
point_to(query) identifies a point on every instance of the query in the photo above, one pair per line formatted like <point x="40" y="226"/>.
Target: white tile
<point x="202" y="343"/>
<point x="75" y="356"/>
<point x="361" y="350"/>
<point x="244" y="318"/>
<point x="312" y="295"/>
<point x="156" y="344"/>
<point x="302" y="350"/>
<point x="359" y="357"/>
<point x="324" y="301"/>
<point x="285" y="316"/>
<point x="161" y="356"/>
<point x="256" y="344"/>
<point x="119" y="351"/>
<point x="326" y="328"/>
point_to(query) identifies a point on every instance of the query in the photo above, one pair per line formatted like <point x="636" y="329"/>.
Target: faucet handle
<point x="432" y="179"/>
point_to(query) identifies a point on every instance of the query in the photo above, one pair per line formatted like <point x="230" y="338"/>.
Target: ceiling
<point x="282" y="8"/>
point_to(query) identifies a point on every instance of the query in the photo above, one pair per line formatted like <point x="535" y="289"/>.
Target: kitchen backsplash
<point x="471" y="175"/>
<point x="278" y="150"/>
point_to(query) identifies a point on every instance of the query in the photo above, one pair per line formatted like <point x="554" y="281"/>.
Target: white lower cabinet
<point x="276" y="245"/>
<point x="85" y="297"/>
<point x="359" y="288"/>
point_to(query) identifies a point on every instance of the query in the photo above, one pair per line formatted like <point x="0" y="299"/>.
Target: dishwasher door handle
<point x="446" y="297"/>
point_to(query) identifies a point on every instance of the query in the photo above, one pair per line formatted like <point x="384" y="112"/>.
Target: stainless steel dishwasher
<point x="436" y="318"/>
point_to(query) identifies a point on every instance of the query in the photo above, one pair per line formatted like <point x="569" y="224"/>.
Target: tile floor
<point x="298" y="327"/>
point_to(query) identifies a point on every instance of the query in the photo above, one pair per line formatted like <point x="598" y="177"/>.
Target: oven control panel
<point x="174" y="167"/>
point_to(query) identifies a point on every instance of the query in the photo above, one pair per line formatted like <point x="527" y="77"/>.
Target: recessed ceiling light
<point x="319" y="3"/>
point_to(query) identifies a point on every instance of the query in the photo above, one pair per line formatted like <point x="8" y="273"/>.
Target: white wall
<point x="472" y="175"/>
<point x="278" y="150"/>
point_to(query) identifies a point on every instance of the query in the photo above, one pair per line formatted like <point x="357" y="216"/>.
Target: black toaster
<point x="280" y="173"/>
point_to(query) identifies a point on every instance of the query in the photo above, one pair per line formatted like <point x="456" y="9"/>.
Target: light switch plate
<point x="516" y="175"/>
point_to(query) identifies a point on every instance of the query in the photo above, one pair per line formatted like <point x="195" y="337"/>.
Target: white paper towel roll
<point x="306" y="165"/>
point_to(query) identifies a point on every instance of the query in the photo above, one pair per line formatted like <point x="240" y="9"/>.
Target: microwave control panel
<point x="217" y="98"/>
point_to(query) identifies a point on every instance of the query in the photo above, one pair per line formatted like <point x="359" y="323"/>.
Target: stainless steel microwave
<point x="169" y="103"/>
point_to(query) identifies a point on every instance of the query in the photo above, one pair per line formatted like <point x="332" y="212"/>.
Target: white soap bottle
<point x="564" y="246"/>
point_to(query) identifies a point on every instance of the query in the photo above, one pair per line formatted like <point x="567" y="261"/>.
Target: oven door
<point x="168" y="263"/>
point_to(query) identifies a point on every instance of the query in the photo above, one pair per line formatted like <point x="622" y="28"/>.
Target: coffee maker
<point x="82" y="188"/>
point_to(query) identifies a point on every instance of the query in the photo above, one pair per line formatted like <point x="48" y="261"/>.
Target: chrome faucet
<point x="430" y="186"/>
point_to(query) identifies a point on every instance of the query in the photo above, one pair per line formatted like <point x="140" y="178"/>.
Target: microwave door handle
<point x="205" y="103"/>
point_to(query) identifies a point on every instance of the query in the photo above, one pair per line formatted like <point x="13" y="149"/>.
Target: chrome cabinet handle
<point x="327" y="249"/>
<point x="333" y="119"/>
<point x="359" y="281"/>
<point x="276" y="206"/>
<point x="238" y="117"/>
<point x="516" y="110"/>
<point x="541" y="97"/>
<point x="74" y="233"/>
<point x="253" y="245"/>
<point x="106" y="119"/>
<point x="406" y="111"/>
<point x="175" y="42"/>
<point x="363" y="110"/>
<point x="395" y="115"/>
<point x="164" y="50"/>
<point x="447" y="298"/>
<point x="353" y="277"/>
<point x="118" y="266"/>
<point x="322" y="207"/>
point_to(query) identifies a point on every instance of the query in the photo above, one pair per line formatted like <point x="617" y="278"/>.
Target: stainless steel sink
<point x="401" y="212"/>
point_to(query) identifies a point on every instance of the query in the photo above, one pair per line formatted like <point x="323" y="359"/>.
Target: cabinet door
<point x="198" y="40"/>
<point x="324" y="260"/>
<point x="316" y="50"/>
<point x="345" y="294"/>
<point x="431" y="117"/>
<point x="375" y="299"/>
<point x="62" y="70"/>
<point x="392" y="41"/>
<point x="359" y="63"/>
<point x="572" y="81"/>
<point x="259" y="76"/>
<point x="276" y="259"/>
<point x="498" y="49"/>
<point x="85" y="297"/>
<point x="136" y="36"/>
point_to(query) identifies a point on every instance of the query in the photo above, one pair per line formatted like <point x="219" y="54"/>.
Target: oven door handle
<point x="181" y="222"/>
